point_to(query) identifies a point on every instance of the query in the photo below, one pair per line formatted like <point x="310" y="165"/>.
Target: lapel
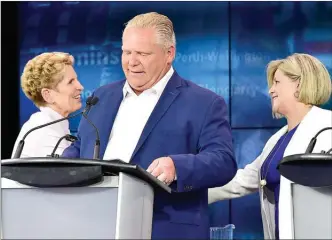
<point x="110" y="108"/>
<point x="308" y="127"/>
<point x="301" y="138"/>
<point x="169" y="94"/>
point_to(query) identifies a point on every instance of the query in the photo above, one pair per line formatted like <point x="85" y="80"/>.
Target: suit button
<point x="188" y="188"/>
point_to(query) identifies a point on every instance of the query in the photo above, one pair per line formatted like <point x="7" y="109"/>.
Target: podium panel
<point x="58" y="198"/>
<point x="119" y="207"/>
<point x="311" y="193"/>
<point x="312" y="212"/>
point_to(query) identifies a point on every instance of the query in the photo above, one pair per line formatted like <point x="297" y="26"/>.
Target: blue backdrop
<point x="221" y="46"/>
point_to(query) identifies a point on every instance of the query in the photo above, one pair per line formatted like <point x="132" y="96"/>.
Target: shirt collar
<point x="54" y="115"/>
<point x="157" y="88"/>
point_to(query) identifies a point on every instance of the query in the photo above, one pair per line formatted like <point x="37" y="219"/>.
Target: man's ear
<point x="170" y="54"/>
<point x="47" y="95"/>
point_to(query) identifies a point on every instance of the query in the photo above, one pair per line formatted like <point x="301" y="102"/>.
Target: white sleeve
<point x="245" y="182"/>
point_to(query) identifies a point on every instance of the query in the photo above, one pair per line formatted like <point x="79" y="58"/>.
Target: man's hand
<point x="163" y="168"/>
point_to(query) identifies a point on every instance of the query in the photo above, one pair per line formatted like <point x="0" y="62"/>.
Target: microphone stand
<point x="68" y="137"/>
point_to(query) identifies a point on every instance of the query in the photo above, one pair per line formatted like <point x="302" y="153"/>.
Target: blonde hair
<point x="162" y="24"/>
<point x="315" y="85"/>
<point x="44" y="71"/>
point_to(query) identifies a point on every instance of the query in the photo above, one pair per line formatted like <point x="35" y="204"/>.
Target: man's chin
<point x="137" y="85"/>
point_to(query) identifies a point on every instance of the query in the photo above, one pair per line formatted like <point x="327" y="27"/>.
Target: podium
<point x="311" y="192"/>
<point x="46" y="198"/>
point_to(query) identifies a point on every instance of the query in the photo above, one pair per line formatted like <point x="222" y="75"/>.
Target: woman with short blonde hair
<point x="298" y="85"/>
<point x="50" y="82"/>
<point x="311" y="75"/>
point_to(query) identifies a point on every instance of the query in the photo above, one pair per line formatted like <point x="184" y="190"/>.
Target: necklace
<point x="263" y="181"/>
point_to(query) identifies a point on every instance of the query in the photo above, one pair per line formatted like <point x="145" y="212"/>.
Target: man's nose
<point x="133" y="60"/>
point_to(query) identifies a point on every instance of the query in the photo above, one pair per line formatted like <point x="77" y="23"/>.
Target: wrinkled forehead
<point x="139" y="37"/>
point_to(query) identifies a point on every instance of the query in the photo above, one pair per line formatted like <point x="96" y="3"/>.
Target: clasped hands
<point x="163" y="169"/>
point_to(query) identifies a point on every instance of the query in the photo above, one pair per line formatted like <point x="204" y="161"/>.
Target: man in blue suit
<point x="175" y="129"/>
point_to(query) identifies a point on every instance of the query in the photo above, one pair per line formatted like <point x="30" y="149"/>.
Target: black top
<point x="63" y="172"/>
<point x="312" y="170"/>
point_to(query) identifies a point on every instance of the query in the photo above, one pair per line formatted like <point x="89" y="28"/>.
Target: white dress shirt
<point x="134" y="112"/>
<point x="41" y="142"/>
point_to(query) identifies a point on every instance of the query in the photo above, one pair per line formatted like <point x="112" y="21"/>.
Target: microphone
<point x="68" y="137"/>
<point x="313" y="141"/>
<point x="20" y="145"/>
<point x="91" y="102"/>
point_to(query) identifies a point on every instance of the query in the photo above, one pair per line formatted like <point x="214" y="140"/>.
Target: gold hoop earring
<point x="296" y="94"/>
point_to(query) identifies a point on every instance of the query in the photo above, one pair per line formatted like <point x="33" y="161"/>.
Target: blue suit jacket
<point x="189" y="124"/>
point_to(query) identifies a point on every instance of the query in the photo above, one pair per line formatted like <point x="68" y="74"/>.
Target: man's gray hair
<point x="162" y="24"/>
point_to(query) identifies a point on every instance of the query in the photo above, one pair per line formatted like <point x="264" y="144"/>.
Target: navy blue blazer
<point x="189" y="124"/>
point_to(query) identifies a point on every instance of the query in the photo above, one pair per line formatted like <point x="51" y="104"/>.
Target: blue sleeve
<point x="214" y="165"/>
<point x="73" y="151"/>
